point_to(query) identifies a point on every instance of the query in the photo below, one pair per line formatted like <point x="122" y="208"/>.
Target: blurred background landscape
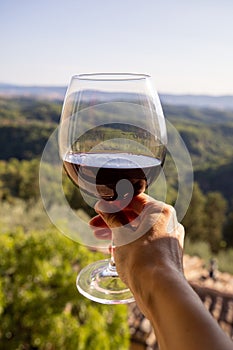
<point x="39" y="304"/>
<point x="187" y="49"/>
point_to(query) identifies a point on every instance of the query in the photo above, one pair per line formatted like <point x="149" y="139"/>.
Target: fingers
<point x="104" y="233"/>
<point x="138" y="203"/>
<point x="111" y="214"/>
<point x="100" y="228"/>
<point x="97" y="221"/>
<point x="135" y="220"/>
<point x="115" y="216"/>
<point x="127" y="224"/>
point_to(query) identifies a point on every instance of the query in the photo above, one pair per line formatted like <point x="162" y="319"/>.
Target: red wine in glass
<point x="97" y="174"/>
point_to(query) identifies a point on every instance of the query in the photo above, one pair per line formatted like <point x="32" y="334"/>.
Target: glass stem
<point x="112" y="265"/>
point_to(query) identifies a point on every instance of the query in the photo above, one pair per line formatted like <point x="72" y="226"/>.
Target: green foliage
<point x="23" y="141"/>
<point x="28" y="216"/>
<point x="39" y="304"/>
<point x="19" y="179"/>
<point x="198" y="115"/>
<point x="194" y="220"/>
<point x="208" y="148"/>
<point x="46" y="111"/>
<point x="40" y="307"/>
<point x="205" y="218"/>
<point x="202" y="249"/>
<point x="215" y="209"/>
<point x="217" y="178"/>
<point x="26" y="124"/>
<point x="225" y="260"/>
<point x="198" y="248"/>
<point x="23" y="110"/>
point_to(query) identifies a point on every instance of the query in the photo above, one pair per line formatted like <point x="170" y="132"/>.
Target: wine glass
<point x="112" y="141"/>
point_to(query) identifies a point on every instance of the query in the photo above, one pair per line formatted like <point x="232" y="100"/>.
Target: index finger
<point x="141" y="201"/>
<point x="113" y="218"/>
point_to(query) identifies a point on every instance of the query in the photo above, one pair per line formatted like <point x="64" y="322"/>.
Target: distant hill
<point x="215" y="102"/>
<point x="207" y="115"/>
<point x="45" y="92"/>
<point x="58" y="92"/>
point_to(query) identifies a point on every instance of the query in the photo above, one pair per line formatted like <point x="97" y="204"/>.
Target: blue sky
<point x="187" y="46"/>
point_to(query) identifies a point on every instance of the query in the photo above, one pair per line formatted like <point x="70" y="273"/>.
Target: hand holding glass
<point x="113" y="143"/>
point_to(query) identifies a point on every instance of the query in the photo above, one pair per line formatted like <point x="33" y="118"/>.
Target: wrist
<point x="151" y="279"/>
<point x="153" y="285"/>
<point x="157" y="265"/>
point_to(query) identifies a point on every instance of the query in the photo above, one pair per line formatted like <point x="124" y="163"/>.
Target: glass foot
<point x="100" y="282"/>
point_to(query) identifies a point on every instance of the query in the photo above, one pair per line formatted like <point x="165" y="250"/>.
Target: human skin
<point x="152" y="267"/>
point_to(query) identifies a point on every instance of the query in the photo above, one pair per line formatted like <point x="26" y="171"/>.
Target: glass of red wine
<point x="112" y="141"/>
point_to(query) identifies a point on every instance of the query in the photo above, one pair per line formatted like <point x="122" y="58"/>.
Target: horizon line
<point x="64" y="86"/>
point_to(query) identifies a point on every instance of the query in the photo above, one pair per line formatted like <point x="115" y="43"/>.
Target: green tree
<point x="215" y="210"/>
<point x="19" y="179"/>
<point x="40" y="307"/>
<point x="194" y="220"/>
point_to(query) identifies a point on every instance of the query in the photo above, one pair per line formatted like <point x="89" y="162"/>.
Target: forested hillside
<point x="208" y="135"/>
<point x="26" y="124"/>
<point x="40" y="307"/>
<point x="49" y="262"/>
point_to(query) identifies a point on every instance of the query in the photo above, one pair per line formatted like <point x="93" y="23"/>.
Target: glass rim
<point x="111" y="76"/>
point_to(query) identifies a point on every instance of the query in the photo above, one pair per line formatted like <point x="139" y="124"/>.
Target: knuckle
<point x="168" y="210"/>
